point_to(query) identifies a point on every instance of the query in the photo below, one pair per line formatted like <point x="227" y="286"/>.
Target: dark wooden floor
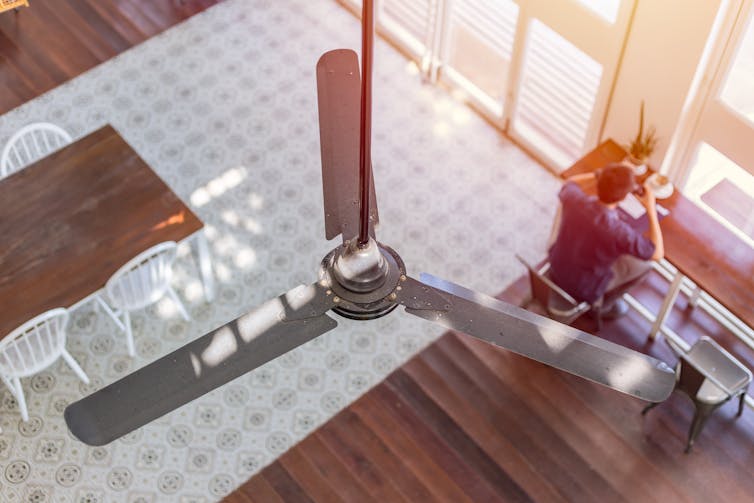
<point x="466" y="422"/>
<point x="53" y="41"/>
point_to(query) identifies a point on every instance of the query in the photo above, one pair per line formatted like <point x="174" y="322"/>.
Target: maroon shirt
<point x="590" y="239"/>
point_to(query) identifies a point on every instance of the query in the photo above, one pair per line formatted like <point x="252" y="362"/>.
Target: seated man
<point x="595" y="252"/>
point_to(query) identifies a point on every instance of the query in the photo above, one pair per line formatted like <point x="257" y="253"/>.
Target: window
<point x="724" y="189"/>
<point x="738" y="89"/>
<point x="479" y="47"/>
<point x="716" y="164"/>
<point x="556" y="96"/>
<point x="541" y="70"/>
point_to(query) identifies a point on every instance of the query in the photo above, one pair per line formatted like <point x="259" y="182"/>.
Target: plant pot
<point x="638" y="165"/>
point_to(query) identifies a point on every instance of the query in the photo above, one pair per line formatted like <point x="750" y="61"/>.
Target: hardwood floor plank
<point x="118" y="22"/>
<point x="366" y="445"/>
<point x="80" y="30"/>
<point x="494" y="475"/>
<point x="343" y="482"/>
<point x="308" y="477"/>
<point x="141" y="17"/>
<point x="413" y="455"/>
<point x="484" y="431"/>
<point x="255" y="490"/>
<point x="550" y="461"/>
<point x="14" y="88"/>
<point x="361" y="465"/>
<point x="23" y="74"/>
<point x="462" y="473"/>
<point x="29" y="44"/>
<point x="93" y="29"/>
<point x="163" y="10"/>
<point x="50" y="31"/>
<point x="284" y="484"/>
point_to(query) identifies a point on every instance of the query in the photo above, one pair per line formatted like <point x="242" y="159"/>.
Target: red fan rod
<point x="365" y="138"/>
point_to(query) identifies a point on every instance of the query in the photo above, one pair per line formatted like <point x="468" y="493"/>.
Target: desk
<point x="70" y="220"/>
<point x="696" y="244"/>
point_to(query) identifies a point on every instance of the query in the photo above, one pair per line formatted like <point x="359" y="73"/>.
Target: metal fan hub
<point x="363" y="280"/>
<point x="360" y="268"/>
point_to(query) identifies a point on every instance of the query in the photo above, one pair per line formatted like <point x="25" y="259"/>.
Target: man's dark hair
<point x="614" y="182"/>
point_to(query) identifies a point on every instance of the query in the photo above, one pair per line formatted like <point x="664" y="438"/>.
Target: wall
<point x="667" y="40"/>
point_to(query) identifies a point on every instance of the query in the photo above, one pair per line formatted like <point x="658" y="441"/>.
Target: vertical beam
<point x="667" y="305"/>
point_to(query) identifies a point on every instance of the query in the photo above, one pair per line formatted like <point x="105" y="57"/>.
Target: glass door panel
<point x="556" y="97"/>
<point x="410" y="22"/>
<point x="477" y="49"/>
<point x="539" y="69"/>
<point x="724" y="189"/>
<point x="717" y="168"/>
<point x="737" y="90"/>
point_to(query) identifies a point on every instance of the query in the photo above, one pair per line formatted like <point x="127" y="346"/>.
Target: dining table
<point x="72" y="219"/>
<point x="697" y="245"/>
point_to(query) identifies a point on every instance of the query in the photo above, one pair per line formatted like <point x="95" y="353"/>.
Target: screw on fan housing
<point x="363" y="279"/>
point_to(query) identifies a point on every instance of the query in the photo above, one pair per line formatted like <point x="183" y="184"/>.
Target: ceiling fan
<point x="360" y="279"/>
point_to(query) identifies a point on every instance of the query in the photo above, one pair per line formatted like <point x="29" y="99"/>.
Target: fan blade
<point x="339" y="93"/>
<point x="537" y="337"/>
<point x="272" y="329"/>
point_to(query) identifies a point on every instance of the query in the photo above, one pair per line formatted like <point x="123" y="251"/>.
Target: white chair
<point x="33" y="347"/>
<point x="31" y="143"/>
<point x="142" y="281"/>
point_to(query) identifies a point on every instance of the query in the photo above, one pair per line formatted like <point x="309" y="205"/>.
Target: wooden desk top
<point x="69" y="221"/>
<point x="698" y="245"/>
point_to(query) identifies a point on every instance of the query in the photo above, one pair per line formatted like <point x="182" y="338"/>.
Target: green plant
<point x="644" y="144"/>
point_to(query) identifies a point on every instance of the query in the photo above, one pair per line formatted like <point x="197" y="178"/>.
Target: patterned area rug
<point x="223" y="107"/>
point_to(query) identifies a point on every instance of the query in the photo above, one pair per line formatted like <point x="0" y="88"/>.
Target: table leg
<point x="667" y="305"/>
<point x="204" y="261"/>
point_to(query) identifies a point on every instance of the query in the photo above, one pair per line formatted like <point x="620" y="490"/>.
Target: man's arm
<point x="655" y="233"/>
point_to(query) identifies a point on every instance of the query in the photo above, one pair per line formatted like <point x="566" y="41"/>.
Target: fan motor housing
<point x="363" y="280"/>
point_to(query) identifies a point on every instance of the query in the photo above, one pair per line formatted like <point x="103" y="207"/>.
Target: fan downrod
<point x="363" y="279"/>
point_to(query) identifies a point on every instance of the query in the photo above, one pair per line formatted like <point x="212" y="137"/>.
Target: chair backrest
<point x="556" y="301"/>
<point x="31" y="143"/>
<point x="34" y="345"/>
<point x="688" y="378"/>
<point x="715" y="364"/>
<point x="144" y="279"/>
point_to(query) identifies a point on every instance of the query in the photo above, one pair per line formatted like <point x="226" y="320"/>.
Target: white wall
<point x="664" y="47"/>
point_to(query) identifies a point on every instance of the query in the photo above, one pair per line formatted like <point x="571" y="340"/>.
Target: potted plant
<point x="641" y="148"/>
